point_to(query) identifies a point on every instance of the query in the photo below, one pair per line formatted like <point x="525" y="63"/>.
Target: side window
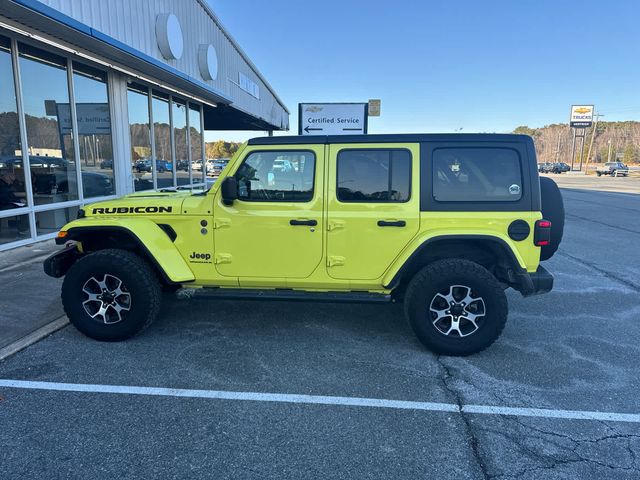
<point x="476" y="175"/>
<point x="378" y="176"/>
<point x="277" y="176"/>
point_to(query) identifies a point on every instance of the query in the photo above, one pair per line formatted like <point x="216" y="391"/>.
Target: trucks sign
<point x="332" y="118"/>
<point x="581" y="116"/>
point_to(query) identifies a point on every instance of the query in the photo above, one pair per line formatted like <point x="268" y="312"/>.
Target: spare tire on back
<point x="552" y="210"/>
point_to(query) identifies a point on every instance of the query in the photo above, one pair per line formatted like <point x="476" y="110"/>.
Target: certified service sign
<point x="581" y="116"/>
<point x="332" y="118"/>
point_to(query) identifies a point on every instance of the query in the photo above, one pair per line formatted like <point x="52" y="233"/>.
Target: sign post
<point x="581" y="118"/>
<point x="332" y="118"/>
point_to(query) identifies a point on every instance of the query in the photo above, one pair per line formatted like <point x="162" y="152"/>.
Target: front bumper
<point x="537" y="283"/>
<point x="58" y="264"/>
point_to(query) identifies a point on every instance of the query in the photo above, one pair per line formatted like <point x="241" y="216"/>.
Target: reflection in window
<point x="285" y="176"/>
<point x="180" y="137"/>
<point x="94" y="131"/>
<point x="12" y="178"/>
<point x="162" y="139"/>
<point x="476" y="175"/>
<point x="51" y="221"/>
<point x="14" y="228"/>
<point x="196" y="143"/>
<point x="140" y="137"/>
<point x="49" y="132"/>
<point x="379" y="176"/>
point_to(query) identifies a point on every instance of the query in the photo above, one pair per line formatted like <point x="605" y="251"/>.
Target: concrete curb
<point x="33" y="337"/>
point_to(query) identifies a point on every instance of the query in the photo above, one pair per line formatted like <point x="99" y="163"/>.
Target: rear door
<point x="373" y="207"/>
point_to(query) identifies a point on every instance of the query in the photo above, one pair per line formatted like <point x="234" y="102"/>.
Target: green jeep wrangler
<point x="444" y="223"/>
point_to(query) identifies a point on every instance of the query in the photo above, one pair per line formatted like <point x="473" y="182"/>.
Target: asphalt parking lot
<point x="301" y="390"/>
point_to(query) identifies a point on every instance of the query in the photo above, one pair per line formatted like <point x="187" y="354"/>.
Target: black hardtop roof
<point x="390" y="138"/>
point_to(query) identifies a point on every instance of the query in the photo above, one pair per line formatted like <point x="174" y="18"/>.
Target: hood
<point x="139" y="204"/>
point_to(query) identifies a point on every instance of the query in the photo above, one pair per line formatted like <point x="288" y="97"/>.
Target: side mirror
<point x="229" y="189"/>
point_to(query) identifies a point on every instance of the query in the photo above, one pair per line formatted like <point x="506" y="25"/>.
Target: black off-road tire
<point x="438" y="277"/>
<point x="138" y="279"/>
<point x="552" y="210"/>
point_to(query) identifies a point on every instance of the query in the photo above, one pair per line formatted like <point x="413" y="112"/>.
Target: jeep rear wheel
<point x="111" y="295"/>
<point x="456" y="307"/>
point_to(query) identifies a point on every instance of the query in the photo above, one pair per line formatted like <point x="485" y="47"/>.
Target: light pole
<point x="593" y="136"/>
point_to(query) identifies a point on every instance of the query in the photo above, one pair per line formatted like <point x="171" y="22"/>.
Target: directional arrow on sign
<point x="308" y="129"/>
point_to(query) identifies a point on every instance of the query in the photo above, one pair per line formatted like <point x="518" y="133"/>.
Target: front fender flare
<point x="151" y="239"/>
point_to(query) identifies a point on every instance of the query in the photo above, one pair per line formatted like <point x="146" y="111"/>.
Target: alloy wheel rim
<point x="107" y="299"/>
<point x="457" y="311"/>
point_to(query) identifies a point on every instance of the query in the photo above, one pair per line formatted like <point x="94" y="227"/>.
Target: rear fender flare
<point x="412" y="253"/>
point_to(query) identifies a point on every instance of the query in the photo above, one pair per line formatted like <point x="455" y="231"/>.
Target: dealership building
<point x="103" y="98"/>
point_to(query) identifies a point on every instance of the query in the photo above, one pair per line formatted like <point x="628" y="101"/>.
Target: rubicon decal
<point x="108" y="210"/>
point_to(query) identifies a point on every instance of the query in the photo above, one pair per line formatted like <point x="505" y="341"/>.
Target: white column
<point x="121" y="138"/>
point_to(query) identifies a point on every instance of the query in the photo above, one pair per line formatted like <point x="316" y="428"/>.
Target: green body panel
<point x="155" y="241"/>
<point x="253" y="245"/>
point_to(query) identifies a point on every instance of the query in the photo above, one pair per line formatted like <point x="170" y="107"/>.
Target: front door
<point x="274" y="230"/>
<point x="373" y="207"/>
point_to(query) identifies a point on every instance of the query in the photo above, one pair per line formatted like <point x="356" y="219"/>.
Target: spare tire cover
<point x="552" y="210"/>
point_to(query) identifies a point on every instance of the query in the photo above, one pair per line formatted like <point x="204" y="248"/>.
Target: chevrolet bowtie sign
<point x="581" y="116"/>
<point x="332" y="118"/>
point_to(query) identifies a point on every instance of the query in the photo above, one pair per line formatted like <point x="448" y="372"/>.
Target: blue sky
<point x="437" y="66"/>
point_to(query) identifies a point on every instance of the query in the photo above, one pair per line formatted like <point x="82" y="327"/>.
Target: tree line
<point x="613" y="141"/>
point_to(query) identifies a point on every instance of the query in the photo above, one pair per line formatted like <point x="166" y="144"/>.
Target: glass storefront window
<point x="180" y="138"/>
<point x="137" y="98"/>
<point x="14" y="228"/>
<point x="51" y="221"/>
<point x="12" y="176"/>
<point x="45" y="95"/>
<point x="162" y="140"/>
<point x="94" y="131"/>
<point x="195" y="133"/>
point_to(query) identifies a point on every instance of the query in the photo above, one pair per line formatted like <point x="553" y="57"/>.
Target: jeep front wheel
<point x="111" y="295"/>
<point x="456" y="307"/>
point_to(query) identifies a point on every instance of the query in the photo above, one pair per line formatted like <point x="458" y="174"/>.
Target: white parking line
<point x="324" y="400"/>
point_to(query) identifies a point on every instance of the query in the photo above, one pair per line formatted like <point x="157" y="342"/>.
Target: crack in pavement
<point x="469" y="430"/>
<point x="606" y="273"/>
<point x="601" y="223"/>
<point x="572" y="456"/>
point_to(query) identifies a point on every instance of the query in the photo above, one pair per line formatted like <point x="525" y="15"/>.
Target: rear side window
<point x="374" y="176"/>
<point x="277" y="176"/>
<point x="477" y="175"/>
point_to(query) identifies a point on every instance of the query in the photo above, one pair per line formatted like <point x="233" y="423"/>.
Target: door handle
<point x="396" y="223"/>
<point x="309" y="223"/>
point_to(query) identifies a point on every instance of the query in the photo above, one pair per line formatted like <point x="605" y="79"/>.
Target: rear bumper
<point x="536" y="283"/>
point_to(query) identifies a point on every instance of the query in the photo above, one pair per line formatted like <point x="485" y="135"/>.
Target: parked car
<point x="615" y="169"/>
<point x="106" y="164"/>
<point x="359" y="232"/>
<point x="161" y="166"/>
<point x="215" y="167"/>
<point x="182" y="165"/>
<point x="558" y="167"/>
<point x="196" y="165"/>
<point x="281" y="165"/>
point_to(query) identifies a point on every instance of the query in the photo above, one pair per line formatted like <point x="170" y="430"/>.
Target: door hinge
<point x="334" y="261"/>
<point x="221" y="222"/>
<point x="219" y="258"/>
<point x="335" y="225"/>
